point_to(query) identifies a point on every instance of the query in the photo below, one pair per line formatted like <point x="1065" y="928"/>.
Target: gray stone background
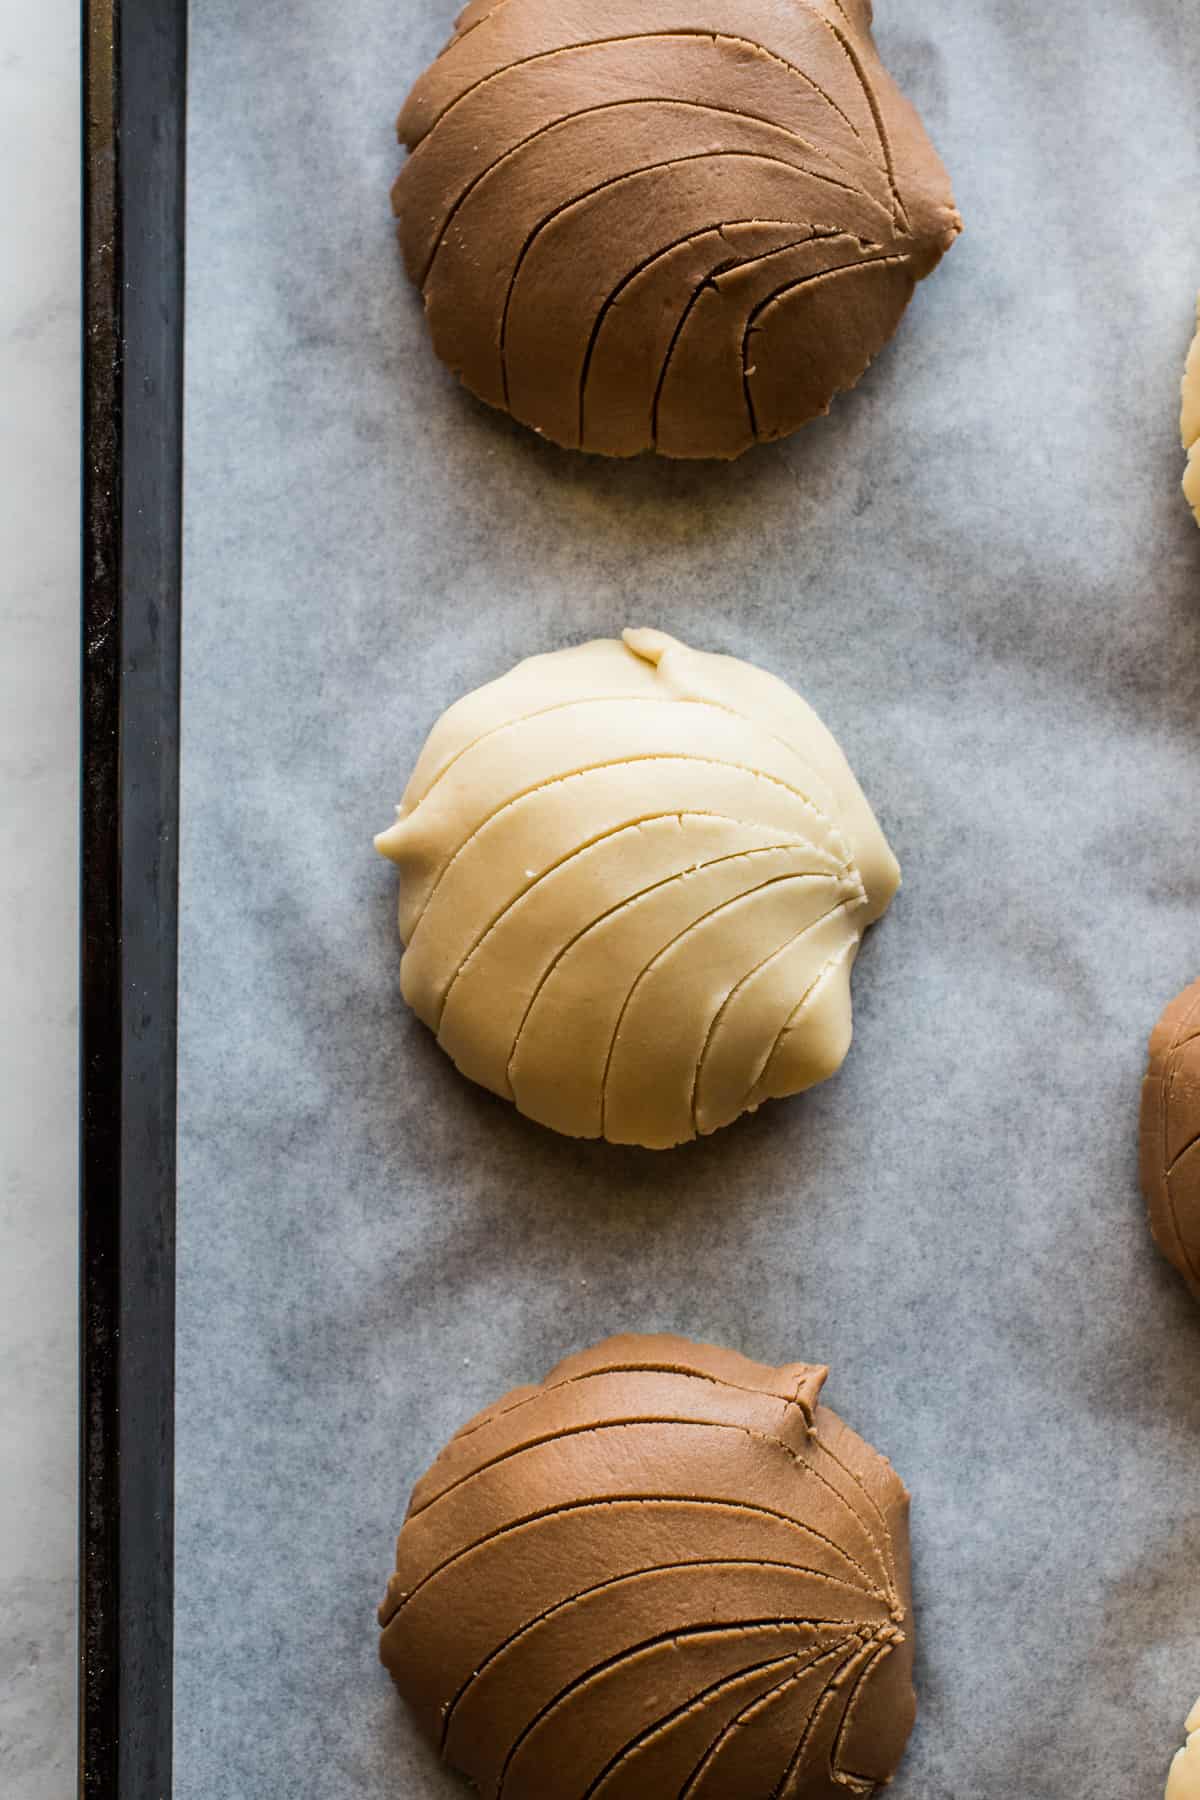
<point x="39" y="750"/>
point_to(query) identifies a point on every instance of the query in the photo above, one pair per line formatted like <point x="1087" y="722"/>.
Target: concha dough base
<point x="669" y="225"/>
<point x="634" y="881"/>
<point x="665" y="1570"/>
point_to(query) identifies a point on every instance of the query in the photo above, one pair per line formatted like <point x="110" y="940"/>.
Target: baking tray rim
<point x="134" y="60"/>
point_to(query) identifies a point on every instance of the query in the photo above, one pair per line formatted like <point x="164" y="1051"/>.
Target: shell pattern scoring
<point x="666" y="1570"/>
<point x="634" y="881"/>
<point x="679" y="225"/>
<point x="1170" y="1134"/>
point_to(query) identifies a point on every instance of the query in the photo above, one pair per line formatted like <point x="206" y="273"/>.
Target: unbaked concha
<point x="634" y="882"/>
<point x="1170" y="1134"/>
<point x="666" y="1573"/>
<point x="672" y="225"/>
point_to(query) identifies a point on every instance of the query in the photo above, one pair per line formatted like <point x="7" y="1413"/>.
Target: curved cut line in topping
<point x="790" y="1023"/>
<point x="630" y="900"/>
<point x="628" y="1654"/>
<point x="765" y="962"/>
<point x="539" y="712"/>
<point x="829" y="1691"/>
<point x="712" y="280"/>
<point x="570" y="1431"/>
<point x="734" y="900"/>
<point x="762" y="1068"/>
<point x="595" y="1503"/>
<point x="604" y="837"/>
<point x="884" y="1552"/>
<point x="864" y="262"/>
<point x="856" y="1478"/>
<point x="704" y="702"/>
<point x="1191" y="1261"/>
<point x="585" y="112"/>
<point x="657" y="1368"/>
<point x="631" y="1575"/>
<point x="670" y="162"/>
<point x="626" y="762"/>
<point x="464" y="31"/>
<point x="573" y="1431"/>
<point x="697" y="1703"/>
<point x="800" y="1464"/>
<point x="873" y="103"/>
<point x="1176" y="1160"/>
<point x="639" y="37"/>
<point x="720" y="226"/>
<point x="1183" y="1032"/>
<point x="796" y="1761"/>
<point x="642" y="894"/>
<point x="835" y="1761"/>
<point x="689" y="307"/>
<point x="760" y="1703"/>
<point x="1181" y="1037"/>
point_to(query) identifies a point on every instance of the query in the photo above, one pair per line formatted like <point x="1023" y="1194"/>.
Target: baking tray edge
<point x="134" y="98"/>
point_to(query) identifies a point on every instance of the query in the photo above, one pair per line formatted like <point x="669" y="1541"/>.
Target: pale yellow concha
<point x="1189" y="422"/>
<point x="1183" y="1783"/>
<point x="635" y="877"/>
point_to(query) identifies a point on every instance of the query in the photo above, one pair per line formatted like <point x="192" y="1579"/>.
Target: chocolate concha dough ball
<point x="634" y="879"/>
<point x="672" y="225"/>
<point x="666" y="1573"/>
<point x="1170" y="1156"/>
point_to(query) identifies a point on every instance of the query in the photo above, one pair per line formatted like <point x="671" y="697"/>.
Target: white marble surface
<point x="39" y="560"/>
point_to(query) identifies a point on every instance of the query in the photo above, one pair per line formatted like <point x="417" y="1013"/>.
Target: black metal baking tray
<point x="134" y="62"/>
<point x="978" y="569"/>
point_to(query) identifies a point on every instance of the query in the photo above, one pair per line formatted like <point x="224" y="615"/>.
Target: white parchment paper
<point x="981" y="572"/>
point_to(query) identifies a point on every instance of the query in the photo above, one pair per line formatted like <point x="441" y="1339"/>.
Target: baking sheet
<point x="982" y="574"/>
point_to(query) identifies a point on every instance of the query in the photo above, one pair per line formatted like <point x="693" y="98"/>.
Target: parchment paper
<point x="981" y="572"/>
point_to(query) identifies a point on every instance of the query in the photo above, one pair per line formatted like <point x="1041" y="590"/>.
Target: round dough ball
<point x="1183" y="1783"/>
<point x="665" y="1571"/>
<point x="635" y="878"/>
<point x="672" y="225"/>
<point x="1170" y="1156"/>
<point x="1190" y="423"/>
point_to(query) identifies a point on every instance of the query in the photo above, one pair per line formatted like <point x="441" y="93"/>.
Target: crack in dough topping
<point x="664" y="1570"/>
<point x="672" y="225"/>
<point x="634" y="882"/>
